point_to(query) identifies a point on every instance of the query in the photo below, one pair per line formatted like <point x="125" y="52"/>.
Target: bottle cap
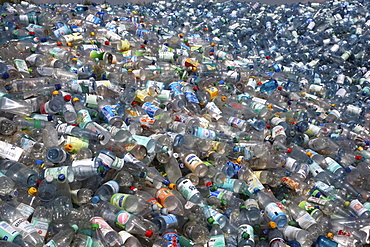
<point x="75" y="227"/>
<point x="172" y="186"/>
<point x="61" y="177"/>
<point x="245" y="235"/>
<point x="289" y="150"/>
<point x="68" y="147"/>
<point x="43" y="39"/>
<point x="59" y="44"/>
<point x="95" y="226"/>
<point x="346" y="203"/>
<point x="358" y="157"/>
<point x="210" y="220"/>
<point x="330" y="235"/>
<point x="348" y="170"/>
<point x="5" y="75"/>
<point x="292" y="223"/>
<point x="223" y="98"/>
<point x="49" y="178"/>
<point x="101" y="169"/>
<point x="223" y="202"/>
<point x="149" y="233"/>
<point x="272" y="224"/>
<point x="40" y="163"/>
<point x="242" y="207"/>
<point x="32" y="191"/>
<point x="33" y="49"/>
<point x="55" y="92"/>
<point x="95" y="199"/>
<point x="309" y="154"/>
<point x="75" y="99"/>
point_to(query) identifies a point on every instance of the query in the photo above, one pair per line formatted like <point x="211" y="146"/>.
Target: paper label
<point x="187" y="189"/>
<point x="119" y="200"/>
<point x="9" y="151"/>
<point x="7" y="232"/>
<point x="41" y="226"/>
<point x="192" y="161"/>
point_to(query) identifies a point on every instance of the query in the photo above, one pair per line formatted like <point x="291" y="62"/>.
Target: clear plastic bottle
<point x="19" y="173"/>
<point x="20" y="223"/>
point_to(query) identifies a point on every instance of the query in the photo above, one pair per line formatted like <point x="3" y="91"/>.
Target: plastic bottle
<point x="19" y="173"/>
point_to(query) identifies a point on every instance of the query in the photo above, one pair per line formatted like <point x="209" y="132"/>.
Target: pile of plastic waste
<point x="185" y="123"/>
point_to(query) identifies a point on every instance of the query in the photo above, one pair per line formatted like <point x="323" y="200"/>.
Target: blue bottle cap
<point x="95" y="199"/>
<point x="39" y="162"/>
<point x="5" y="75"/>
<point x="61" y="177"/>
<point x="58" y="86"/>
<point x="367" y="142"/>
<point x="43" y="39"/>
<point x="348" y="169"/>
<point x="166" y="182"/>
<point x="50" y="117"/>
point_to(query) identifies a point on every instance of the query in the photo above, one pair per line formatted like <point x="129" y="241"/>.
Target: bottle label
<point x="253" y="184"/>
<point x="109" y="112"/>
<point x="228" y="184"/>
<point x="236" y="122"/>
<point x="333" y="166"/>
<point x="9" y="151"/>
<point x="119" y="200"/>
<point x="187" y="189"/>
<point x="358" y="207"/>
<point x="124" y="236"/>
<point x="323" y="187"/>
<point x="273" y="211"/>
<point x="205" y="133"/>
<point x="41" y="226"/>
<point x="162" y="195"/>
<point x="122" y="218"/>
<point x="291" y="164"/>
<point x="64" y="128"/>
<point x="106" y="158"/>
<point x="83" y="118"/>
<point x="77" y="143"/>
<point x="25" y="210"/>
<point x="315" y="169"/>
<point x="23" y="225"/>
<point x="113" y="185"/>
<point x="192" y="161"/>
<point x="245" y="228"/>
<point x="218" y="194"/>
<point x="236" y="167"/>
<point x="305" y="221"/>
<point x="21" y="66"/>
<point x="211" y="213"/>
<point x="217" y="241"/>
<point x="191" y="97"/>
<point x="51" y="243"/>
<point x="290" y="183"/>
<point x="290" y="232"/>
<point x="171" y="221"/>
<point x="172" y="238"/>
<point x="56" y="171"/>
<point x="150" y="109"/>
<point x="277" y="130"/>
<point x="213" y="108"/>
<point x="83" y="86"/>
<point x="7" y="232"/>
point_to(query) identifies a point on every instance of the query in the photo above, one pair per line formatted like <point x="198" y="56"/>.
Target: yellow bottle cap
<point x="193" y="68"/>
<point x="269" y="106"/>
<point x="55" y="92"/>
<point x="360" y="148"/>
<point x="32" y="191"/>
<point x="223" y="98"/>
<point x="332" y="105"/>
<point x="330" y="235"/>
<point x="309" y="154"/>
<point x="76" y="99"/>
<point x="272" y="224"/>
<point x="68" y="147"/>
<point x="172" y="186"/>
<point x="92" y="33"/>
<point x="69" y="44"/>
<point x="346" y="204"/>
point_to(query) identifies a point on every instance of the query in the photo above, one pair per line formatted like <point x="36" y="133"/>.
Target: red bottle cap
<point x="149" y="234"/>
